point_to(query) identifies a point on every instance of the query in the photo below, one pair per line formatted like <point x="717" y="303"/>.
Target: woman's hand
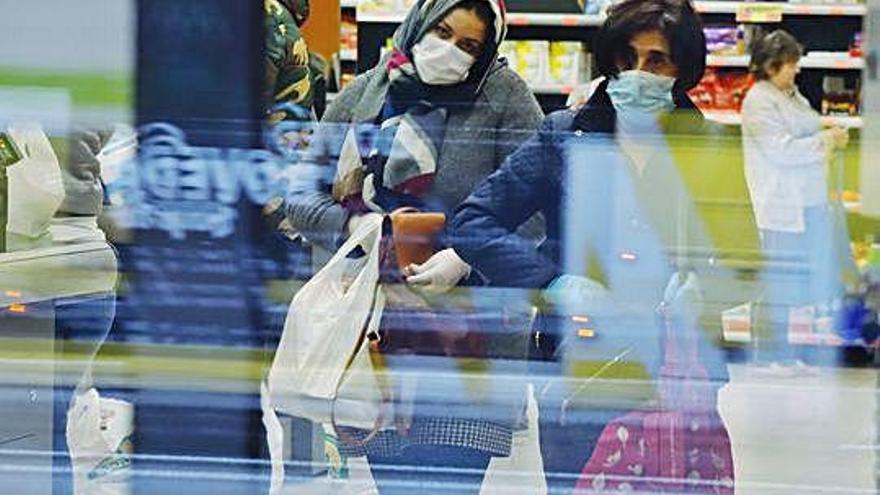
<point x="440" y="273"/>
<point x="838" y="137"/>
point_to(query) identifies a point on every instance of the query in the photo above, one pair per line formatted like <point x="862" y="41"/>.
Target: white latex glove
<point x="440" y="273"/>
<point x="578" y="294"/>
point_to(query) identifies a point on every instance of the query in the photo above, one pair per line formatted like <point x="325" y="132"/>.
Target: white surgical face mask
<point x="640" y="91"/>
<point x="439" y="62"/>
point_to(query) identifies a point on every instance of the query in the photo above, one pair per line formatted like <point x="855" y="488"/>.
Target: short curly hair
<point x="676" y="19"/>
<point x="773" y="51"/>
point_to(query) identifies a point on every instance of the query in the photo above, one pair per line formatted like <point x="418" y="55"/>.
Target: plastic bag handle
<point x="369" y="227"/>
<point x="378" y="364"/>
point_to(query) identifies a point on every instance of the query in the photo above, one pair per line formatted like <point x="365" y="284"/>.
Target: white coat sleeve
<point x="764" y="128"/>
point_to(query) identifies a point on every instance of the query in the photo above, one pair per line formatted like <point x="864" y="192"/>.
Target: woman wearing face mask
<point x="787" y="153"/>
<point x="650" y="53"/>
<point x="435" y="117"/>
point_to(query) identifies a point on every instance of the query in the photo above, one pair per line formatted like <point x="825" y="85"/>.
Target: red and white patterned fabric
<point x="678" y="446"/>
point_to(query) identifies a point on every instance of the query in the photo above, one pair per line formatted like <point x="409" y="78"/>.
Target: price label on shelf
<point x="758" y="12"/>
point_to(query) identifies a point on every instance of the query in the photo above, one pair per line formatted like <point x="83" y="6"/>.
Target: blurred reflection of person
<point x="787" y="155"/>
<point x="650" y="53"/>
<point x="77" y="222"/>
<point x="288" y="74"/>
<point x="88" y="319"/>
<point x="436" y="116"/>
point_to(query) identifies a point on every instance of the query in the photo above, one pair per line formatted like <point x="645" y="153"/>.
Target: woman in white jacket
<point x="787" y="152"/>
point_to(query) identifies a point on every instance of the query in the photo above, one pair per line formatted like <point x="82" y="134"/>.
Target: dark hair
<point x="676" y="19"/>
<point x="774" y="50"/>
<point x="481" y="8"/>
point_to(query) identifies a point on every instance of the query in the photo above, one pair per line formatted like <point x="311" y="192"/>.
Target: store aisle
<point x="803" y="434"/>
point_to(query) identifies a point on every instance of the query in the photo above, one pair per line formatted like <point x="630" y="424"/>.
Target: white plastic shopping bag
<point x="36" y="189"/>
<point x="99" y="439"/>
<point x="523" y="471"/>
<point x="322" y="369"/>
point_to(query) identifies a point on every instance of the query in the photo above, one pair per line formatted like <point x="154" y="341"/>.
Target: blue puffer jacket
<point x="533" y="180"/>
<point x="530" y="181"/>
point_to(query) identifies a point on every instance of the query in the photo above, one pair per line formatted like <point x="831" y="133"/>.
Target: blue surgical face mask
<point x="645" y="92"/>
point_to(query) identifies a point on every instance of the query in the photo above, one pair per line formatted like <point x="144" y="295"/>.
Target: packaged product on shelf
<point x="741" y="39"/>
<point x="855" y="48"/>
<point x="722" y="90"/>
<point x="568" y="63"/>
<point x="703" y="94"/>
<point x="723" y="41"/>
<point x="379" y="6"/>
<point x="837" y="99"/>
<point x="546" y="6"/>
<point x="532" y="60"/>
<point x="507" y="50"/>
<point x="9" y="155"/>
<point x="386" y="48"/>
<point x="348" y="35"/>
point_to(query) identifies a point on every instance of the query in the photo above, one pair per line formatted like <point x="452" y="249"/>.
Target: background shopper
<point x="787" y="156"/>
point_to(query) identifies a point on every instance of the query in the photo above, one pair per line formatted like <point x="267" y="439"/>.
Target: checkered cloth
<point x="479" y="435"/>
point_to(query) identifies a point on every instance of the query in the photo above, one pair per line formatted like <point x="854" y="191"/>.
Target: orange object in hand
<point x="415" y="235"/>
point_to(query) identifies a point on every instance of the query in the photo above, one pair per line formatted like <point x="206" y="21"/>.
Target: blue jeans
<point x="429" y="470"/>
<point x="822" y="252"/>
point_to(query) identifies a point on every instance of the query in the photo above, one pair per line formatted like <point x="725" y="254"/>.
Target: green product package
<point x="9" y="155"/>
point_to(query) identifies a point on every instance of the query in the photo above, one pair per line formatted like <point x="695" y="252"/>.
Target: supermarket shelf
<point x="733" y="118"/>
<point x="848" y="122"/>
<point x="563" y="20"/>
<point x="727" y="61"/>
<point x="841" y="62"/>
<point x="832" y="62"/>
<point x="575" y="20"/>
<point x="721" y="117"/>
<point x="379" y="17"/>
<point x="727" y="7"/>
<point x="513" y="19"/>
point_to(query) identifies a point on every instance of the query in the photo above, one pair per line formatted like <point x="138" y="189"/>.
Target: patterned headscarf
<point x="419" y="21"/>
<point x="380" y="169"/>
